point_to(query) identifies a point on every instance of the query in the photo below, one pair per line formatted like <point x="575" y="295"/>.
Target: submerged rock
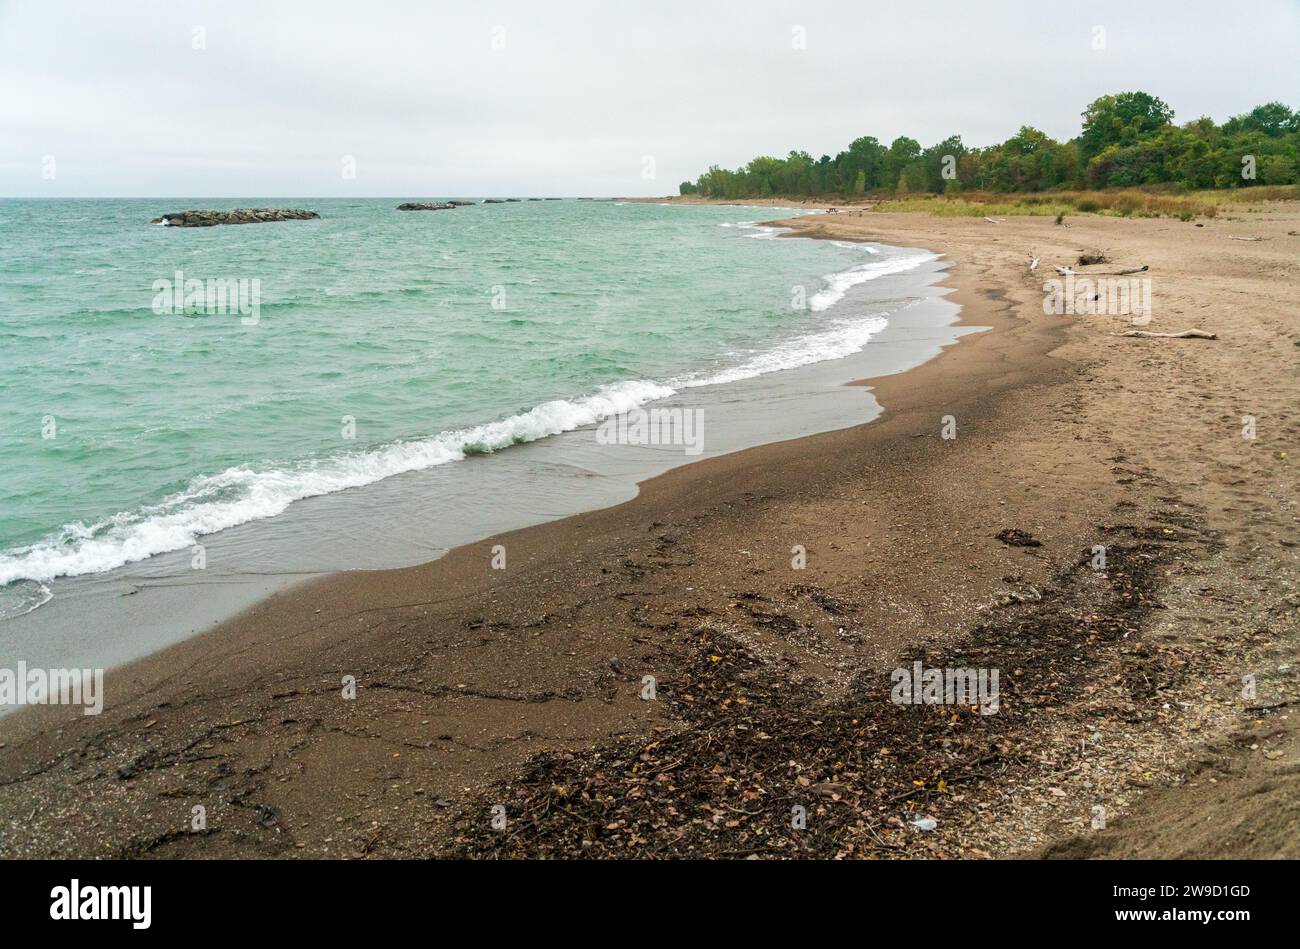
<point x="427" y="206"/>
<point x="237" y="216"/>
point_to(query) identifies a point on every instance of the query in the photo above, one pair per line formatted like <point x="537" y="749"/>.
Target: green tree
<point x="902" y="152"/>
<point x="1121" y="119"/>
<point x="865" y="155"/>
<point x="937" y="159"/>
<point x="1271" y="118"/>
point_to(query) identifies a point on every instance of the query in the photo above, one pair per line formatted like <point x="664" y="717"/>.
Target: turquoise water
<point x="379" y="342"/>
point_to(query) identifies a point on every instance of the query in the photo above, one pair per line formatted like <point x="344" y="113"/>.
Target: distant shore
<point x="1121" y="685"/>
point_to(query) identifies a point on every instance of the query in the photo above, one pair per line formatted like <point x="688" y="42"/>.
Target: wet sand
<point x="523" y="688"/>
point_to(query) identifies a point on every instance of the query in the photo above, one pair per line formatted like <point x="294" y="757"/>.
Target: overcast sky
<point x="270" y="97"/>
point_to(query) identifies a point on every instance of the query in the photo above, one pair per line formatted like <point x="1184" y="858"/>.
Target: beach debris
<point x="1033" y="263"/>
<point x="1015" y="537"/>
<point x="1071" y="272"/>
<point x="719" y="779"/>
<point x="1183" y="334"/>
<point x="992" y="221"/>
<point x="237" y="216"/>
<point x="1011" y="598"/>
<point x="1231" y="238"/>
<point x="1087" y="260"/>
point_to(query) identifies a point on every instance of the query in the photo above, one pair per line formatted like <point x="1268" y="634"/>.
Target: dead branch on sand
<point x="1071" y="272"/>
<point x="1184" y="334"/>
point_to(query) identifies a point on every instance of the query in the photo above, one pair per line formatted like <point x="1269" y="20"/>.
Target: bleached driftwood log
<point x="1185" y="334"/>
<point x="1231" y="238"/>
<point x="1071" y="272"/>
<point x="991" y="221"/>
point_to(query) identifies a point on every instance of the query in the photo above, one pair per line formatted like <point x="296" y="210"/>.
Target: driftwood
<point x="1231" y="238"/>
<point x="1185" y="334"/>
<point x="991" y="221"/>
<point x="1070" y="272"/>
<point x="1033" y="263"/>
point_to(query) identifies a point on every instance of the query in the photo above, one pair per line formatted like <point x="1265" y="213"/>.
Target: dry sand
<point x="1121" y="689"/>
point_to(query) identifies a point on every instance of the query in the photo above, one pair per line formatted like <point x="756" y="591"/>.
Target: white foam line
<point x="212" y="503"/>
<point x="838" y="284"/>
<point x="841" y="339"/>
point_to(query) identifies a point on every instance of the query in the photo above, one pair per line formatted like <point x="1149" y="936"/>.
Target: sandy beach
<point x="1122" y="730"/>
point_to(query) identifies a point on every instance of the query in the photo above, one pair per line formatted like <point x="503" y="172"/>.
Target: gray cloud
<point x="580" y="93"/>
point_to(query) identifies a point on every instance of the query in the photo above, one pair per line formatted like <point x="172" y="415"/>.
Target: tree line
<point x="1127" y="140"/>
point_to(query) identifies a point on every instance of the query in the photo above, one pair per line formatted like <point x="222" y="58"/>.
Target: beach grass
<point x="1126" y="202"/>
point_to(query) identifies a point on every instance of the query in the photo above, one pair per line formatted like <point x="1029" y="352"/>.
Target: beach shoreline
<point x="464" y="675"/>
<point x="416" y="516"/>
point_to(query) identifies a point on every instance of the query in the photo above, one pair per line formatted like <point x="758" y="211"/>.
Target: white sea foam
<point x="238" y="495"/>
<point x="767" y="232"/>
<point x="761" y="231"/>
<point x="23" y="597"/>
<point x="842" y="339"/>
<point x="838" y="284"/>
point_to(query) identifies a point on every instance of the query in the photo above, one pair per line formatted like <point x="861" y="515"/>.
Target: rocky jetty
<point x="462" y="204"/>
<point x="494" y="201"/>
<point x="237" y="216"/>
<point x="427" y="206"/>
